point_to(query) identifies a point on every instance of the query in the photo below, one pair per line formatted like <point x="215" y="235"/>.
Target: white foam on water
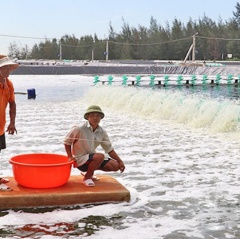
<point x="183" y="175"/>
<point x="193" y="110"/>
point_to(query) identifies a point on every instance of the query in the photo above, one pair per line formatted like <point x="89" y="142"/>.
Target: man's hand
<point x="11" y="129"/>
<point x="121" y="166"/>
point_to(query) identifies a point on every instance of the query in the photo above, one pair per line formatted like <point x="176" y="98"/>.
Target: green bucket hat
<point x="93" y="109"/>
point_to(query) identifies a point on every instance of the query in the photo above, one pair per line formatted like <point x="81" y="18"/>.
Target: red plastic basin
<point x="41" y="170"/>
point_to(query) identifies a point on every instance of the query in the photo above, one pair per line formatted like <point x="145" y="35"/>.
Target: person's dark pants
<point x="84" y="167"/>
<point x="2" y="142"/>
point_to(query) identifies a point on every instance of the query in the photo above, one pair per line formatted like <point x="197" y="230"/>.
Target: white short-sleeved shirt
<point x="84" y="141"/>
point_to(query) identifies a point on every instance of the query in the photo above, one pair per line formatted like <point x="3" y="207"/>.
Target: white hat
<point x="5" y="61"/>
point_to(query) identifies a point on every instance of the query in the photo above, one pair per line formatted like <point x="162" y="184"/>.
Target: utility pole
<point x="92" y="55"/>
<point x="106" y="51"/>
<point x="60" y="48"/>
<point x="193" y="49"/>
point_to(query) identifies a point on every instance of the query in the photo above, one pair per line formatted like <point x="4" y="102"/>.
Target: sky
<point x="27" y="22"/>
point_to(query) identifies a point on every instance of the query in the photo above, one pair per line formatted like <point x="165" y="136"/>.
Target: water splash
<point x="195" y="110"/>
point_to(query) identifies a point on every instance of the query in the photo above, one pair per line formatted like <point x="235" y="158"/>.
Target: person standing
<point x="7" y="98"/>
<point x="81" y="143"/>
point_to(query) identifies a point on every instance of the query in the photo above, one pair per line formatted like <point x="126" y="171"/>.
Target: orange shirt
<point x="6" y="96"/>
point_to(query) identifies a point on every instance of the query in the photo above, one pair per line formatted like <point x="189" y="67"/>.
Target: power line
<point x="150" y="44"/>
<point x="121" y="43"/>
<point x="219" y="38"/>
<point x="95" y="44"/>
<point x="38" y="38"/>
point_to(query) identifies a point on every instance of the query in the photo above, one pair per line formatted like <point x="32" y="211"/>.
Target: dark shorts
<point x="84" y="167"/>
<point x="2" y="142"/>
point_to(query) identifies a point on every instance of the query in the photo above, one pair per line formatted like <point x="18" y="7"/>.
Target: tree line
<point x="214" y="41"/>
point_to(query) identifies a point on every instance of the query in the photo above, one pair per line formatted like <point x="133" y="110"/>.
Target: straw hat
<point x="5" y="61"/>
<point x="93" y="109"/>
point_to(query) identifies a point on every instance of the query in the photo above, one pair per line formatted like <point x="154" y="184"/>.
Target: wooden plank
<point x="107" y="189"/>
